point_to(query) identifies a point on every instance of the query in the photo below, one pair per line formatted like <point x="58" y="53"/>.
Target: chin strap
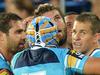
<point x="38" y="40"/>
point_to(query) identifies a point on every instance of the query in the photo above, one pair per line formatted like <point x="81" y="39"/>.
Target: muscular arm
<point x="86" y="65"/>
<point x="92" y="66"/>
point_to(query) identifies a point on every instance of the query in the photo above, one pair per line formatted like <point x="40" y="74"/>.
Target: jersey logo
<point x="70" y="60"/>
<point x="4" y="72"/>
<point x="76" y="54"/>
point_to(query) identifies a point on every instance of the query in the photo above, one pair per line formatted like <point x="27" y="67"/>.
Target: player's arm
<point x="92" y="66"/>
<point x="80" y="63"/>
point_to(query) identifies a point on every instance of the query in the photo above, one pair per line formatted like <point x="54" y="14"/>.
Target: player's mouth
<point x="76" y="45"/>
<point x="21" y="46"/>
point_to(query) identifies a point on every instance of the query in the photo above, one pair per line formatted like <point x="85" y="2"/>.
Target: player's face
<point x="16" y="36"/>
<point x="69" y="19"/>
<point x="56" y="17"/>
<point x="82" y="37"/>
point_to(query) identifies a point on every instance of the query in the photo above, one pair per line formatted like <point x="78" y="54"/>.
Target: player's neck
<point x="7" y="55"/>
<point x="92" y="49"/>
<point x="66" y="45"/>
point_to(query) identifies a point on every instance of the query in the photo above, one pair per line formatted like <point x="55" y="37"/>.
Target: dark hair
<point x="71" y="13"/>
<point x="5" y="19"/>
<point x="43" y="8"/>
<point x="92" y="19"/>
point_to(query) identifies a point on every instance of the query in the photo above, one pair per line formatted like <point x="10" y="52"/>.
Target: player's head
<point x="85" y="32"/>
<point x="41" y="31"/>
<point x="11" y="32"/>
<point x="69" y="20"/>
<point x="56" y="15"/>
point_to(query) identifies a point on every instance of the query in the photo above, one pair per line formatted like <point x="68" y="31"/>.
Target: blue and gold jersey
<point x="48" y="61"/>
<point x="75" y="66"/>
<point x="96" y="53"/>
<point x="39" y="61"/>
<point x="4" y="66"/>
<point x="74" y="62"/>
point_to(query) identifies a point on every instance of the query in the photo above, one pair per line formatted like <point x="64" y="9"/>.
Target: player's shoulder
<point x="17" y="55"/>
<point x="60" y="49"/>
<point x="4" y="66"/>
<point x="21" y="52"/>
<point x="95" y="52"/>
<point x="4" y="63"/>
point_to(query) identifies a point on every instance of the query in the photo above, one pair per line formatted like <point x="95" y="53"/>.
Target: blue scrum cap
<point x="42" y="31"/>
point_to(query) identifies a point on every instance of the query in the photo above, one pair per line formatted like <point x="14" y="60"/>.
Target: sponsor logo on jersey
<point x="76" y="54"/>
<point x="70" y="60"/>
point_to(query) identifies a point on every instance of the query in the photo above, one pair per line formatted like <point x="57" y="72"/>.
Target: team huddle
<point x="38" y="45"/>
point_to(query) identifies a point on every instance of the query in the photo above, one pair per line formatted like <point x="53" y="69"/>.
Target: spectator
<point x="23" y="8"/>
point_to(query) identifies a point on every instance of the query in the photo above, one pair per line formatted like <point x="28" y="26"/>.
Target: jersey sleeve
<point x="4" y="64"/>
<point x="96" y="53"/>
<point x="75" y="61"/>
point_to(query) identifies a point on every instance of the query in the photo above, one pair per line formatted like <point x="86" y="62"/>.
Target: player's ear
<point x="60" y="35"/>
<point x="97" y="37"/>
<point x="1" y="35"/>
